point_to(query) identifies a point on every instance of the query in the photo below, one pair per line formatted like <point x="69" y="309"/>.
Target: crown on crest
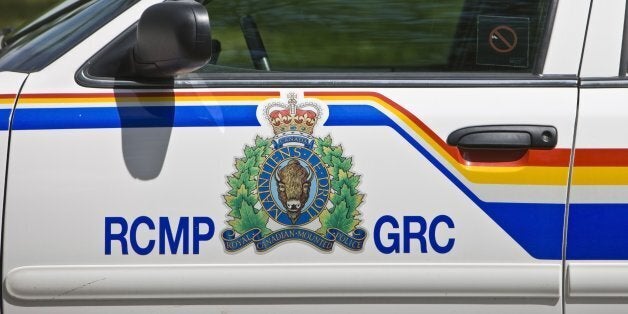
<point x="293" y="116"/>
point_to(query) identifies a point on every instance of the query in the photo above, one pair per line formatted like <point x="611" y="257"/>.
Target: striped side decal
<point x="7" y="99"/>
<point x="536" y="227"/>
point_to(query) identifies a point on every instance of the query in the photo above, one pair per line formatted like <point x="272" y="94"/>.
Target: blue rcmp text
<point x="165" y="234"/>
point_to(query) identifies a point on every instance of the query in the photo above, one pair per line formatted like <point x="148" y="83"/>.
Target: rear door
<point x="322" y="162"/>
<point x="597" y="239"/>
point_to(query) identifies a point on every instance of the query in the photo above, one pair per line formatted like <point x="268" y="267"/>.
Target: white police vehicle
<point x="401" y="156"/>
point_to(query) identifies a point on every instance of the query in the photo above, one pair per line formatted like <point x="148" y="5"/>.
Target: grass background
<point x="14" y="13"/>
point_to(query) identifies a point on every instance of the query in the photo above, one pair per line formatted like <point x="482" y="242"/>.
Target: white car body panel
<point x="70" y="169"/>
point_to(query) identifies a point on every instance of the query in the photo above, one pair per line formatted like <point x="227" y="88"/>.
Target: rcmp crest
<point x="293" y="186"/>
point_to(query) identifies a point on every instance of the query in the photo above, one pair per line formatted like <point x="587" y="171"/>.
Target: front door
<point x="335" y="156"/>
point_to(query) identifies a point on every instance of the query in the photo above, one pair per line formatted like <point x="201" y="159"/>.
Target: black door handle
<point x="505" y="137"/>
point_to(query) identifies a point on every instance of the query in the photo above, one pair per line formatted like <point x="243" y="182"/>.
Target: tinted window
<point x="377" y="36"/>
<point x="38" y="48"/>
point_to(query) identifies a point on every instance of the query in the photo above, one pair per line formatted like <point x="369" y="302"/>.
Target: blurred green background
<point x="333" y="35"/>
<point x="13" y="13"/>
<point x="340" y="35"/>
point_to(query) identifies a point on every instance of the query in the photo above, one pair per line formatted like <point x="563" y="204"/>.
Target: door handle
<point x="505" y="137"/>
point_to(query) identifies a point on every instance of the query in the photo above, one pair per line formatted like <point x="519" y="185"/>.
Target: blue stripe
<point x="536" y="227"/>
<point x="598" y="231"/>
<point x="133" y="117"/>
<point x="5" y="115"/>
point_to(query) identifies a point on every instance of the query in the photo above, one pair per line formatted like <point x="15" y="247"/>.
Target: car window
<point x="376" y="36"/>
<point x="41" y="46"/>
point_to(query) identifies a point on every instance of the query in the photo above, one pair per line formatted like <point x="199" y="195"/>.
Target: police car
<point x="453" y="156"/>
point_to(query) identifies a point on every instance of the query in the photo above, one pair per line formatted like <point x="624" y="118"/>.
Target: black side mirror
<point x="172" y="38"/>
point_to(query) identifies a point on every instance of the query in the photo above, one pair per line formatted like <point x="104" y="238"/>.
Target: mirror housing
<point x="172" y="38"/>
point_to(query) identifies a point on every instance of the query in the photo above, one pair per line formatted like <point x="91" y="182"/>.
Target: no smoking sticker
<point x="503" y="41"/>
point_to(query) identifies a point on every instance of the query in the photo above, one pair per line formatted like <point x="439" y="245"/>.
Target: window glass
<point x="376" y="36"/>
<point x="56" y="32"/>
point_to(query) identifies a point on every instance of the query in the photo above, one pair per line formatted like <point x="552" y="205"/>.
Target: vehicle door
<point x="597" y="238"/>
<point x="338" y="156"/>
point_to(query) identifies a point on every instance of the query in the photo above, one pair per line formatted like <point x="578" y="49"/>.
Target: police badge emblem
<point x="293" y="186"/>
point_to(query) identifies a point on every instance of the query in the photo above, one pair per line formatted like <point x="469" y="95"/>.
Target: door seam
<point x="6" y="181"/>
<point x="565" y="284"/>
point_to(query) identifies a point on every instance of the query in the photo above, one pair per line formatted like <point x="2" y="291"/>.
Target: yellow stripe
<point x="7" y="101"/>
<point x="600" y="176"/>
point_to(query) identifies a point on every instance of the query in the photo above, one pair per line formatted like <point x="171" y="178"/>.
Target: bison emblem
<point x="294" y="182"/>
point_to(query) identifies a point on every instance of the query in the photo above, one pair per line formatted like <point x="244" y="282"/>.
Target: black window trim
<point x="603" y="82"/>
<point x="407" y="79"/>
<point x="623" y="61"/>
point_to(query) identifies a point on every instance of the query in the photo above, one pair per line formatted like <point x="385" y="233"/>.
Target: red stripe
<point x="547" y="158"/>
<point x="601" y="157"/>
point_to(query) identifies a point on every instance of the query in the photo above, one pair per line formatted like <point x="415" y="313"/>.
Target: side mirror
<point x="172" y="38"/>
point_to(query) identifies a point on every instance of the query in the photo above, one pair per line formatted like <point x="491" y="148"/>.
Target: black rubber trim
<point x="505" y="137"/>
<point x="623" y="61"/>
<point x="604" y="82"/>
<point x="433" y="80"/>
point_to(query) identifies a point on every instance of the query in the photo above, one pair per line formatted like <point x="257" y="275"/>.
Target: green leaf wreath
<point x="346" y="198"/>
<point x="243" y="201"/>
<point x="242" y="195"/>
